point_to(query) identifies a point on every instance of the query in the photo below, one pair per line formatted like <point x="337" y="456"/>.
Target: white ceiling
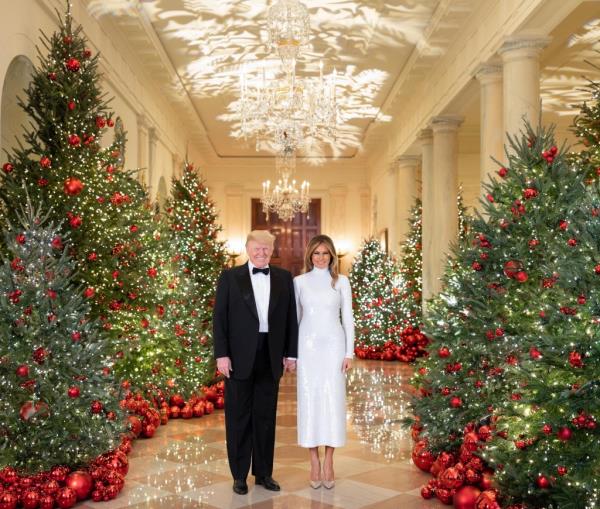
<point x="193" y="50"/>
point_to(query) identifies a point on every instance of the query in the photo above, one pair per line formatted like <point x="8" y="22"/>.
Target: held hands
<point x="224" y="366"/>
<point x="289" y="365"/>
<point x="346" y="365"/>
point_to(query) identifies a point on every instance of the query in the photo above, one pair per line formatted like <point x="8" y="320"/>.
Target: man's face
<point x="259" y="253"/>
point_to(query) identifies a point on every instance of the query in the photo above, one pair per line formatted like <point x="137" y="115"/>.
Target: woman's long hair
<point x="315" y="242"/>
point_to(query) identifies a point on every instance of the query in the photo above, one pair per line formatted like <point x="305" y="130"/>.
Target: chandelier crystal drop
<point x="289" y="29"/>
<point x="285" y="199"/>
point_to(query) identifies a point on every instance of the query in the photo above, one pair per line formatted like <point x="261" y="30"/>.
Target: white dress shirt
<point x="261" y="285"/>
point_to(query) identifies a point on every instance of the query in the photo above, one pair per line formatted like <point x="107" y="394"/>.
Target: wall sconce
<point x="234" y="249"/>
<point x="342" y="249"/>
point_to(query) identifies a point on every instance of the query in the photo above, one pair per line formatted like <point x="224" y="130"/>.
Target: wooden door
<point x="292" y="236"/>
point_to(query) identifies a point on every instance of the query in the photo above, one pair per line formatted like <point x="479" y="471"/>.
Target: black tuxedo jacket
<point x="235" y="320"/>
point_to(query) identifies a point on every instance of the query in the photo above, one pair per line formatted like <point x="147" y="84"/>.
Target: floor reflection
<point x="185" y="464"/>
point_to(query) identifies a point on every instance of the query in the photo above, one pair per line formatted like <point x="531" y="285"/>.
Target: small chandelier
<point x="289" y="30"/>
<point x="285" y="199"/>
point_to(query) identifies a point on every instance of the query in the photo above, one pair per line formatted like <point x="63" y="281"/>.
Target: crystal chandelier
<point x="285" y="199"/>
<point x="279" y="106"/>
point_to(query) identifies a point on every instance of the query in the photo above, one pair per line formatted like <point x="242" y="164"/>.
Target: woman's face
<point x="321" y="257"/>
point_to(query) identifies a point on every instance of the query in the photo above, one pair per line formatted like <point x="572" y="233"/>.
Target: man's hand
<point x="346" y="365"/>
<point x="224" y="366"/>
<point x="289" y="365"/>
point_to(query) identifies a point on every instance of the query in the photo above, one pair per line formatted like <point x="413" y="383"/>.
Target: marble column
<point x="427" y="177"/>
<point x="442" y="219"/>
<point x="521" y="81"/>
<point x="152" y="176"/>
<point x="142" y="162"/>
<point x="406" y="193"/>
<point x="491" y="122"/>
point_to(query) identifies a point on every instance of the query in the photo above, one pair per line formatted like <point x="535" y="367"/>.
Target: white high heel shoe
<point x="328" y="484"/>
<point x="316" y="484"/>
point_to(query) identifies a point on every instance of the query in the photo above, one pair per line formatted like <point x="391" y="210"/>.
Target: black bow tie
<point x="256" y="270"/>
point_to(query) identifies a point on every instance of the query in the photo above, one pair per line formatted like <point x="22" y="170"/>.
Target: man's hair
<point x="261" y="236"/>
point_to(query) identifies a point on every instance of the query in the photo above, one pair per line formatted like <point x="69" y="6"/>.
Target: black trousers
<point x="250" y="411"/>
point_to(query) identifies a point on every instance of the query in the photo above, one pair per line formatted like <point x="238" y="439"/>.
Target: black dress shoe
<point x="240" y="487"/>
<point x="268" y="483"/>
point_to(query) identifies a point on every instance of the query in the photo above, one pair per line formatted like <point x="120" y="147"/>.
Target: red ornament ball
<point x="74" y="140"/>
<point x="23" y="370"/>
<point x="456" y="402"/>
<point x="427" y="493"/>
<point x="80" y="483"/>
<point x="542" y="482"/>
<point x="66" y="498"/>
<point x="8" y="500"/>
<point x="7" y="168"/>
<point x="452" y="478"/>
<point x="46" y="502"/>
<point x="466" y="497"/>
<point x="75" y="222"/>
<point x="96" y="407"/>
<point x="561" y="470"/>
<point x="564" y="434"/>
<point x="521" y="276"/>
<point x="73" y="392"/>
<point x="73" y="186"/>
<point x="30" y="499"/>
<point x="73" y="65"/>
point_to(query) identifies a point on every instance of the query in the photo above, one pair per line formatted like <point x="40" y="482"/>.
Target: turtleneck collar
<point x="324" y="271"/>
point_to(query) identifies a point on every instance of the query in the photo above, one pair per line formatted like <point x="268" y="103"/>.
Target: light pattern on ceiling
<point x="209" y="41"/>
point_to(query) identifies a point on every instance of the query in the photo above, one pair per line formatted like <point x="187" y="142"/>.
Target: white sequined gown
<point x="325" y="337"/>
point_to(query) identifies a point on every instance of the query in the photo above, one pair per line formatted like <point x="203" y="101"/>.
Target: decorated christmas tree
<point x="511" y="297"/>
<point x="200" y="257"/>
<point x="552" y="429"/>
<point x="193" y="221"/>
<point x="122" y="250"/>
<point x="381" y="331"/>
<point x="411" y="269"/>
<point x="59" y="403"/>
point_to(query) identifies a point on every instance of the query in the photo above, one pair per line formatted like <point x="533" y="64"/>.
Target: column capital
<point x="489" y="73"/>
<point x="152" y="136"/>
<point x="407" y="161"/>
<point x="425" y="136"/>
<point x="523" y="46"/>
<point x="446" y="123"/>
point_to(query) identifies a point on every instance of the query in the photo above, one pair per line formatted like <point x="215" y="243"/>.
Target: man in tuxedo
<point x="255" y="333"/>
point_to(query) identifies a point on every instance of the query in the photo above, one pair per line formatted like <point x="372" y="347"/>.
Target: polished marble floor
<point x="185" y="464"/>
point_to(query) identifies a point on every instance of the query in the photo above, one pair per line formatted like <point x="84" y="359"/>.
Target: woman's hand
<point x="346" y="365"/>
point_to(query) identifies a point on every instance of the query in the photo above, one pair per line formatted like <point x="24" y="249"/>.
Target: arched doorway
<point x="13" y="118"/>
<point x="292" y="236"/>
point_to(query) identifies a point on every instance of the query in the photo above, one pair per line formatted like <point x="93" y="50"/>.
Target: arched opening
<point x="13" y="119"/>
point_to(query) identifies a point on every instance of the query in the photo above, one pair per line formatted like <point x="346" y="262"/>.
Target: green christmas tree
<point x="552" y="455"/>
<point x="381" y="331"/>
<point x="511" y="297"/>
<point x="120" y="248"/>
<point x="59" y="403"/>
<point x="193" y="221"/>
<point x="411" y="269"/>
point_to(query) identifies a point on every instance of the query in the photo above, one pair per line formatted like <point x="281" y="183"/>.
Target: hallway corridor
<point x="185" y="465"/>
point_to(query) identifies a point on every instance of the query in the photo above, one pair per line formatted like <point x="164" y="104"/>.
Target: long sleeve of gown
<point x="297" y="294"/>
<point x="347" y="316"/>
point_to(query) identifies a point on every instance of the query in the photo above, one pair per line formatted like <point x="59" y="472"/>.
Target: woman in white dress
<point x="325" y="352"/>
